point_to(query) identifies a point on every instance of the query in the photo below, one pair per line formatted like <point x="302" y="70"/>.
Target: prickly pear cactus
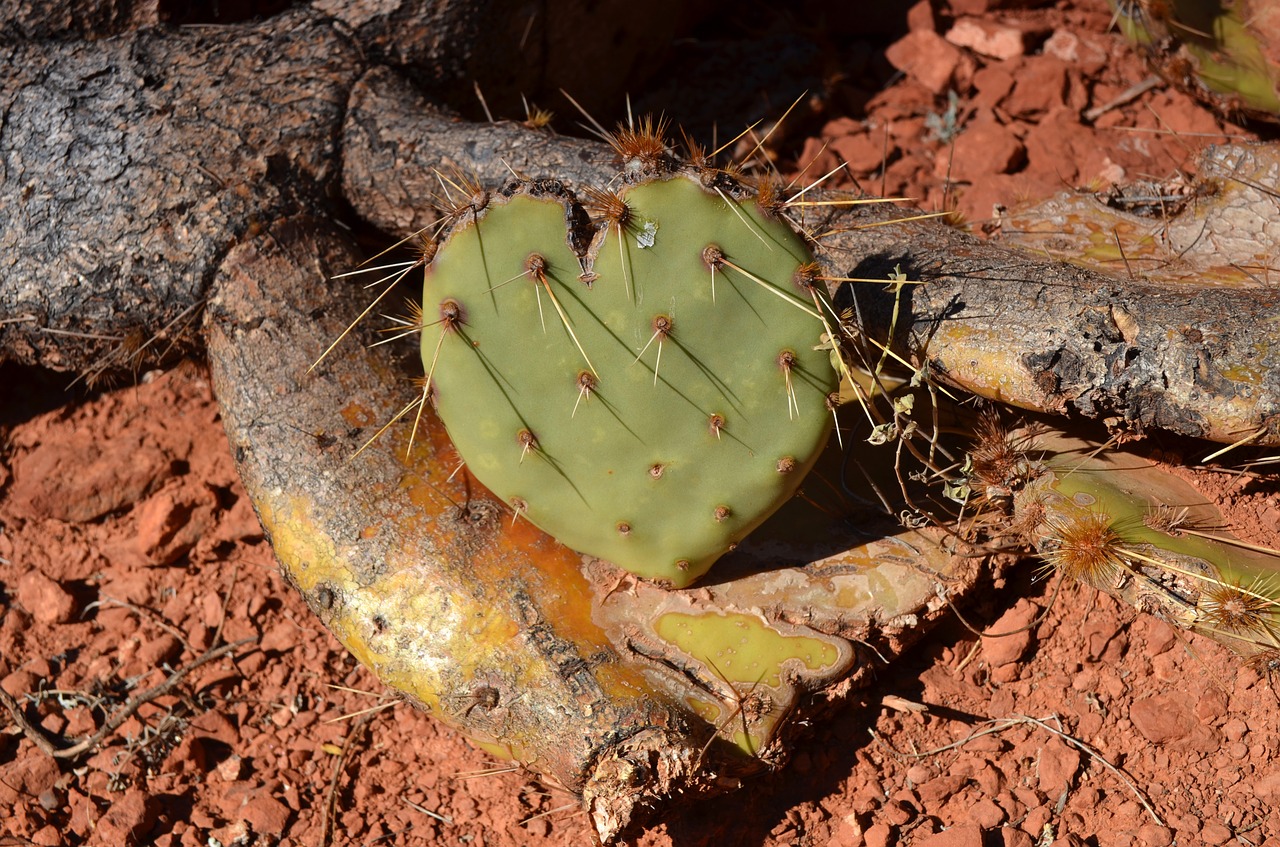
<point x="1120" y="523"/>
<point x="1225" y="54"/>
<point x="640" y="374"/>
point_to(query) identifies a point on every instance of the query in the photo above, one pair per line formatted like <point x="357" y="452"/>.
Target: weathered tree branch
<point x="129" y="166"/>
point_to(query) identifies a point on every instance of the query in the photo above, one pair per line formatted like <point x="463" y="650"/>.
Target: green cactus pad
<point x="645" y="388"/>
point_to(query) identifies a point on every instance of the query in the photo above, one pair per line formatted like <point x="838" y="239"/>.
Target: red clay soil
<point x="128" y="550"/>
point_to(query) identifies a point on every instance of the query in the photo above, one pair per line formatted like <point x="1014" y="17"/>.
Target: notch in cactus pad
<point x="647" y="386"/>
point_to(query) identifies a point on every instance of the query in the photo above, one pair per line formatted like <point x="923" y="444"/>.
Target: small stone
<point x="1212" y="705"/>
<point x="26" y="777"/>
<point x="927" y="58"/>
<point x="862" y="153"/>
<point x="235" y="835"/>
<point x="1040" y="85"/>
<point x="918" y="774"/>
<point x="972" y="7"/>
<point x="986" y="814"/>
<point x="1007" y="639"/>
<point x="964" y="835"/>
<point x="48" y="836"/>
<point x="280" y="638"/>
<point x="1162" y="718"/>
<point x="1033" y="824"/>
<point x="1087" y="56"/>
<point x="232" y="768"/>
<point x="159" y="651"/>
<point x="170" y="522"/>
<point x="265" y="814"/>
<point x="922" y="17"/>
<point x="19" y="683"/>
<point x="992" y="84"/>
<point x="1214" y="833"/>
<point x="1235" y="729"/>
<point x="81" y="477"/>
<point x="189" y="755"/>
<point x="46" y="600"/>
<point x="1267" y="788"/>
<point x="1011" y="837"/>
<point x="1153" y="835"/>
<point x="1057" y="766"/>
<point x="880" y="835"/>
<point x="128" y="820"/>
<point x="898" y="812"/>
<point x="989" y="38"/>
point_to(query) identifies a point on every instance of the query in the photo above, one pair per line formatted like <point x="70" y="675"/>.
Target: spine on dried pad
<point x="1118" y="522"/>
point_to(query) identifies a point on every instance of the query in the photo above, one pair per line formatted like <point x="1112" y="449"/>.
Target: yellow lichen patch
<point x="743" y="648"/>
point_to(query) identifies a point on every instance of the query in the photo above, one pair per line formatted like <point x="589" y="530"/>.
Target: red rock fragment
<point x="79" y="477"/>
<point x="921" y="16"/>
<point x="128" y="820"/>
<point x="927" y="58"/>
<point x="1000" y="649"/>
<point x="1086" y="56"/>
<point x="1041" y="85"/>
<point x="26" y="777"/>
<point x="173" y="520"/>
<point x="964" y="835"/>
<point x="46" y="600"/>
<point x="992" y="84"/>
<point x="988" y="38"/>
<point x="267" y="815"/>
<point x="1267" y="788"/>
<point x="862" y="153"/>
<point x="47" y="836"/>
<point x="1162" y="718"/>
<point x="1056" y="767"/>
<point x="879" y="835"/>
<point x="1214" y="833"/>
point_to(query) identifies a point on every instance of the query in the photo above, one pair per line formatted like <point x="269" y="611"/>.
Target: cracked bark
<point x="129" y="166"/>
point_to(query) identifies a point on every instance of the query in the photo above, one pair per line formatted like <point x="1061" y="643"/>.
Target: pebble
<point x="46" y="600"/>
<point x="928" y="58"/>
<point x="1214" y="833"/>
<point x="48" y="836"/>
<point x="128" y="820"/>
<point x="1056" y="767"/>
<point x="989" y="38"/>
<point x="880" y="835"/>
<point x="1015" y="838"/>
<point x="267" y="815"/>
<point x="1040" y="85"/>
<point x="863" y="153"/>
<point x="1154" y="835"/>
<point x="999" y="648"/>
<point x="986" y="814"/>
<point x="1267" y="788"/>
<point x="1235" y="729"/>
<point x="964" y="835"/>
<point x="79" y="477"/>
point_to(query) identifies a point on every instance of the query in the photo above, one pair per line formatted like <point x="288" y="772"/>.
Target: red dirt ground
<point x="128" y="548"/>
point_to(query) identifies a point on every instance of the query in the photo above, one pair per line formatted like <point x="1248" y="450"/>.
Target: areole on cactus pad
<point x="642" y="374"/>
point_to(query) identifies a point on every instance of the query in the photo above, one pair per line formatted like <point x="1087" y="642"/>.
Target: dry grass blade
<point x="38" y="736"/>
<point x="998" y="725"/>
<point x="339" y="762"/>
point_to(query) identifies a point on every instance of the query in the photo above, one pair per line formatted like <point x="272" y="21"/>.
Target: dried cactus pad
<point x="647" y="387"/>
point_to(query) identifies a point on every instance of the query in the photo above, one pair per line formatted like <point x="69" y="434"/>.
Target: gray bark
<point x="129" y="166"/>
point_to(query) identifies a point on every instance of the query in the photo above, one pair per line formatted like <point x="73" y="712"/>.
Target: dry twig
<point x="1001" y="724"/>
<point x="62" y="748"/>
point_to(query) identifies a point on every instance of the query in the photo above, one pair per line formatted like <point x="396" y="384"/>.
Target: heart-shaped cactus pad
<point x="641" y="374"/>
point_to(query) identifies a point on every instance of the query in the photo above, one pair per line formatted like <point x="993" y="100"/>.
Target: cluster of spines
<point x="1093" y="547"/>
<point x="643" y="154"/>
